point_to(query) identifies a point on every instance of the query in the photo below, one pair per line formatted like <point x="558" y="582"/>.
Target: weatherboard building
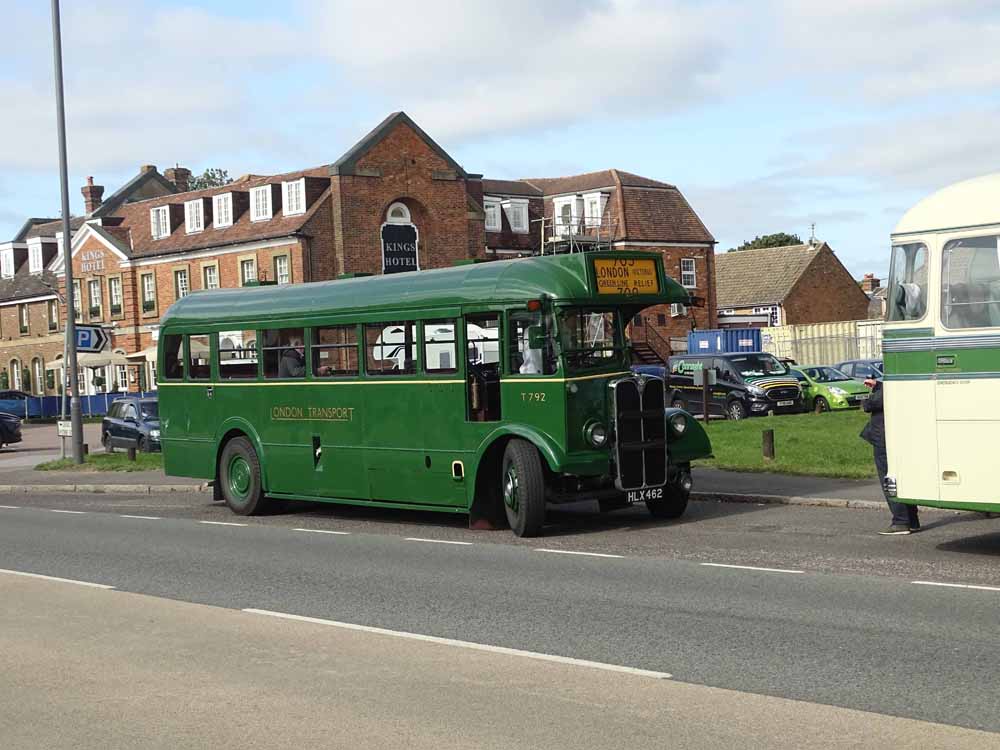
<point x="395" y="202"/>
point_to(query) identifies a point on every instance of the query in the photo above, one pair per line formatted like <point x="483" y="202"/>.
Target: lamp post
<point x="74" y="404"/>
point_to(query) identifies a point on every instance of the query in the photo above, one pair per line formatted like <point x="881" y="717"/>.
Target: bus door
<point x="201" y="416"/>
<point x="482" y="363"/>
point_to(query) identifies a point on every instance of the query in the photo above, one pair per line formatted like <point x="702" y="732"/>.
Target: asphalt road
<point x="107" y="670"/>
<point x="874" y="642"/>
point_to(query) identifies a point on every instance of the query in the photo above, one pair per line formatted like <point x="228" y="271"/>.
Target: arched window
<point x="398" y="213"/>
<point x="37" y="377"/>
<point x="15" y="374"/>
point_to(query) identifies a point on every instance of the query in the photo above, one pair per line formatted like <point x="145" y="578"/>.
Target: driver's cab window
<point x="482" y="354"/>
<point x="907" y="298"/>
<point x="800" y="376"/>
<point x="724" y="371"/>
<point x="970" y="283"/>
<point x="526" y="328"/>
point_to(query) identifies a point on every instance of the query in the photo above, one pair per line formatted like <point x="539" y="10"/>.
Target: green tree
<point x="779" y="239"/>
<point x="210" y="178"/>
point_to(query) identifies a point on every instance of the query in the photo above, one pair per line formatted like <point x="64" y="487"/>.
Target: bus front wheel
<point x="239" y="475"/>
<point x="673" y="503"/>
<point x="522" y="488"/>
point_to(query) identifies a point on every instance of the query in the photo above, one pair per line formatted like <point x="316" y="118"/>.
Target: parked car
<point x="747" y="384"/>
<point x="20" y="404"/>
<point x="10" y="429"/>
<point x="132" y="422"/>
<point x="861" y="369"/>
<point x="826" y="388"/>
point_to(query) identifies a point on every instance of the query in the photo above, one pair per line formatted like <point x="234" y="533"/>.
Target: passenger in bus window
<point x="293" y="361"/>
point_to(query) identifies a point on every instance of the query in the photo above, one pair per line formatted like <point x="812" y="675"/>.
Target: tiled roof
<point x="23" y="284"/>
<point x="580" y="183"/>
<point x="136" y="219"/>
<point x="49" y="228"/>
<point x="760" y="277"/>
<point x="510" y="187"/>
<point x="661" y="216"/>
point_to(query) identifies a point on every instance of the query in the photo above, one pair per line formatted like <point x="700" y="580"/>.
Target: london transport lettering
<point x="324" y="413"/>
<point x="626" y="276"/>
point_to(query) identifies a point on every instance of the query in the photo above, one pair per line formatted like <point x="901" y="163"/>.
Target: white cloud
<point x="471" y="69"/>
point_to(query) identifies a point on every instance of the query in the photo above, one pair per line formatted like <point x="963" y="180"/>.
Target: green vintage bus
<point x="487" y="388"/>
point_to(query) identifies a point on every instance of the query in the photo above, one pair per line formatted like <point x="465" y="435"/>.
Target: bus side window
<point x="391" y="348"/>
<point x="199" y="358"/>
<point x="173" y="359"/>
<point x="236" y="361"/>
<point x="284" y="353"/>
<point x="482" y="336"/>
<point x="335" y="351"/>
<point x="439" y="346"/>
<point x="524" y="360"/>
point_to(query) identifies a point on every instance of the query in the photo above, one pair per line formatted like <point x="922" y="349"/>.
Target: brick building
<point x="396" y="201"/>
<point x="786" y="286"/>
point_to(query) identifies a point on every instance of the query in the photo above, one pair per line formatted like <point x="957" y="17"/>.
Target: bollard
<point x="131" y="453"/>
<point x="767" y="444"/>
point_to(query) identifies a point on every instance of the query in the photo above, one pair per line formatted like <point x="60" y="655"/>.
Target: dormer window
<point x="517" y="214"/>
<point x="159" y="222"/>
<point x="260" y="203"/>
<point x="7" y="263"/>
<point x="593" y="208"/>
<point x="293" y="197"/>
<point x="35" y="257"/>
<point x="492" y="208"/>
<point x="223" y="210"/>
<point x="194" y="216"/>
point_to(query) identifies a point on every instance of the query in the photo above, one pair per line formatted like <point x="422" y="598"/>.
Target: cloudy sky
<point x="768" y="115"/>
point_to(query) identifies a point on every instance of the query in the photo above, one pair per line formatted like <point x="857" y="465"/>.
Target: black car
<point x="132" y="422"/>
<point x="747" y="384"/>
<point x="10" y="429"/>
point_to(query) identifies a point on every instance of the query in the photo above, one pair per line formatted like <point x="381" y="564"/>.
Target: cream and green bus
<point x="941" y="348"/>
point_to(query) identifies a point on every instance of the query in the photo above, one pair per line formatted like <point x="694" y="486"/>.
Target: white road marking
<point x="957" y="585"/>
<point x="223" y="523"/>
<point x="10" y="507"/>
<point x="324" y="531"/>
<point x="585" y="554"/>
<point x="468" y="644"/>
<point x="53" y="578"/>
<point x="74" y="512"/>
<point x="751" y="567"/>
<point x="144" y="518"/>
<point x="433" y="541"/>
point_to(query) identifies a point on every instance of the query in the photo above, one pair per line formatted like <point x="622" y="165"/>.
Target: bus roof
<point x="966" y="204"/>
<point x="558" y="277"/>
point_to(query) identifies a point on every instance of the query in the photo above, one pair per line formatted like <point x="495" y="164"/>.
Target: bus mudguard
<point x="240" y="425"/>
<point x="553" y="455"/>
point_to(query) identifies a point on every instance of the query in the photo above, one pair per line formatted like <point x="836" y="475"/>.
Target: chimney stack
<point x="180" y="176"/>
<point x="92" y="195"/>
<point x="869" y="283"/>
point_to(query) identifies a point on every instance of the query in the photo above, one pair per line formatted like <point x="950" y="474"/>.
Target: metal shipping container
<point x="724" y="340"/>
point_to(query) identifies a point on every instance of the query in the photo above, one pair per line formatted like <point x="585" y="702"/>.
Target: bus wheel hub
<point x="239" y="475"/>
<point x="510" y="489"/>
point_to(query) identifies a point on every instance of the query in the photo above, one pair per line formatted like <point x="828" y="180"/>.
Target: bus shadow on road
<point x="563" y="520"/>
<point x="984" y="545"/>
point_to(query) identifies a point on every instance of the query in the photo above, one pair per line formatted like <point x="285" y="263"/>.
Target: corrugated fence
<point x="35" y="407"/>
<point x="825" y="343"/>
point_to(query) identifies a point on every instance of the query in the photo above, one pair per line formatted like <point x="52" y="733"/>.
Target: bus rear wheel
<point x="239" y="475"/>
<point x="522" y="488"/>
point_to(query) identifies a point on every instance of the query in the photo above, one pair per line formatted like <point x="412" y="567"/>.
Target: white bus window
<point x="970" y="283"/>
<point x="908" y="282"/>
<point x="335" y="351"/>
<point x="439" y="346"/>
<point x="391" y="348"/>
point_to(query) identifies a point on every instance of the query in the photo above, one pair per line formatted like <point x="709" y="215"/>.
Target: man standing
<point x="904" y="517"/>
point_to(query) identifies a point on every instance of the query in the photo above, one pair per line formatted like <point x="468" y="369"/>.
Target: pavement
<point x="716" y="602"/>
<point x="94" y="669"/>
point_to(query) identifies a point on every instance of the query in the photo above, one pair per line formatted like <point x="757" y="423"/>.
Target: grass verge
<point x="825" y="445"/>
<point x="117" y="461"/>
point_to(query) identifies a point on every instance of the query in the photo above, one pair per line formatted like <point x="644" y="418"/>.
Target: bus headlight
<point x="596" y="434"/>
<point x="678" y="423"/>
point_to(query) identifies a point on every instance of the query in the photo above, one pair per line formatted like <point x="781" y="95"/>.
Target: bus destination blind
<point x="626" y="276"/>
